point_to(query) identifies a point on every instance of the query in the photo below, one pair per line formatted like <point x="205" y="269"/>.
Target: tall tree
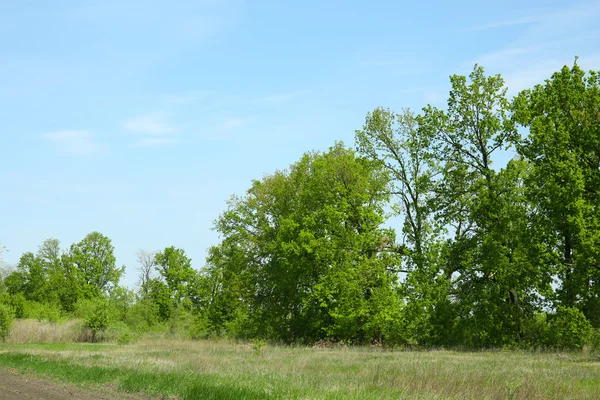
<point x="49" y="254"/>
<point x="474" y="205"/>
<point x="407" y="150"/>
<point x="306" y="253"/>
<point x="176" y="270"/>
<point x="93" y="261"/>
<point x="563" y="147"/>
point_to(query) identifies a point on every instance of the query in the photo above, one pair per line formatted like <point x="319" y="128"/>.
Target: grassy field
<point x="226" y="370"/>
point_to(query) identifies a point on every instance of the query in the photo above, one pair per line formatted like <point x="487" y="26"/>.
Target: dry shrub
<point x="33" y="331"/>
<point x="328" y="344"/>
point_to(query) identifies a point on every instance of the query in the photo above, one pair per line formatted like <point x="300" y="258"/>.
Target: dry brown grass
<point x="33" y="331"/>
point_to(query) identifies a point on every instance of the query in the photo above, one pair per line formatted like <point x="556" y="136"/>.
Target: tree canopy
<point x="494" y="239"/>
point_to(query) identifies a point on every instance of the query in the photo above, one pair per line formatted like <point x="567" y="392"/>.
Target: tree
<point x="176" y="270"/>
<point x="483" y="210"/>
<point x="408" y="152"/>
<point x="563" y="147"/>
<point x="146" y="261"/>
<point x="94" y="264"/>
<point x="35" y="282"/>
<point x="405" y="151"/>
<point x="49" y="256"/>
<point x="304" y="255"/>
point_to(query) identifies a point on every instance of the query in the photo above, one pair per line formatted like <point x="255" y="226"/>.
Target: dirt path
<point x="24" y="387"/>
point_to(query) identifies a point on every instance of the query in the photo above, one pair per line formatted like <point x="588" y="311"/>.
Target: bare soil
<point x="15" y="386"/>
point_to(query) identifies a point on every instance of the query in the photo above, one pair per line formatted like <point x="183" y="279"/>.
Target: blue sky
<point x="139" y="119"/>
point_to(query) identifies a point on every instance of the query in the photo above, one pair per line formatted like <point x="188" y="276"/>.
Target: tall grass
<point x="223" y="369"/>
<point x="34" y="331"/>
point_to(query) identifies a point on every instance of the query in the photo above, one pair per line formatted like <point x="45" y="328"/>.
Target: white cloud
<point x="150" y="124"/>
<point x="77" y="142"/>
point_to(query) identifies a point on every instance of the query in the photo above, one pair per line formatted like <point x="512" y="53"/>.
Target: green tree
<point x="304" y="255"/>
<point x="407" y="150"/>
<point x="49" y="256"/>
<point x="176" y="270"/>
<point x="563" y="147"/>
<point x="93" y="262"/>
<point x="482" y="209"/>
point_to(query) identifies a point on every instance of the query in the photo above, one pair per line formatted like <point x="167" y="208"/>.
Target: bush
<point x="6" y="321"/>
<point x="120" y="333"/>
<point x="537" y="332"/>
<point x="97" y="316"/>
<point x="570" y="329"/>
<point x="42" y="311"/>
<point x="200" y="328"/>
<point x="143" y="315"/>
<point x="594" y="342"/>
<point x="19" y="305"/>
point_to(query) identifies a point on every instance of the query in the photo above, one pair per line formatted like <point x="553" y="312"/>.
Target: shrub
<point x="120" y="333"/>
<point x="258" y="345"/>
<point x="42" y="311"/>
<point x="6" y="321"/>
<point x="97" y="316"/>
<point x="200" y="328"/>
<point x="537" y="332"/>
<point x="570" y="329"/>
<point x="143" y="315"/>
<point x="595" y="340"/>
<point x="19" y="305"/>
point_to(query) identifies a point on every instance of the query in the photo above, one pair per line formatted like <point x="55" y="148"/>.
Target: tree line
<point x="484" y="255"/>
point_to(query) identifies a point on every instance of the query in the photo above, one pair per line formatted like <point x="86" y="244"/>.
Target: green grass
<point x="226" y="370"/>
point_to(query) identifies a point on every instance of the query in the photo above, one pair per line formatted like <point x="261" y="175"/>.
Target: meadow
<point x="221" y="369"/>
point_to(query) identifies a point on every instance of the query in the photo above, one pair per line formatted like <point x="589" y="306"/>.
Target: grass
<point x="31" y="330"/>
<point x="227" y="370"/>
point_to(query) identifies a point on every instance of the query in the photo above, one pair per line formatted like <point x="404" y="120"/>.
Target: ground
<point x="16" y="386"/>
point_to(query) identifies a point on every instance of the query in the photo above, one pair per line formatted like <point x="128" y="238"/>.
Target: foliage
<point x="563" y="147"/>
<point x="570" y="329"/>
<point x="6" y="321"/>
<point x="97" y="314"/>
<point x="304" y="255"/>
<point x="93" y="263"/>
<point x="483" y="255"/>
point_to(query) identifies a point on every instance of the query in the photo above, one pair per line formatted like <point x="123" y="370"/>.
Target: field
<point x="228" y="370"/>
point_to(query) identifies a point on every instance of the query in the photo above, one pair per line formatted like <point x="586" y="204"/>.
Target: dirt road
<point x="15" y="386"/>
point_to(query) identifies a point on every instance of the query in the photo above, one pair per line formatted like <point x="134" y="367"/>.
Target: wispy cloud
<point x="185" y="98"/>
<point x="153" y="130"/>
<point x="150" y="124"/>
<point x="233" y="123"/>
<point x="550" y="40"/>
<point x="503" y="57"/>
<point x="432" y="97"/>
<point x="275" y="98"/>
<point x="501" y="24"/>
<point x="221" y="129"/>
<point x="154" y="142"/>
<point x="76" y="142"/>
